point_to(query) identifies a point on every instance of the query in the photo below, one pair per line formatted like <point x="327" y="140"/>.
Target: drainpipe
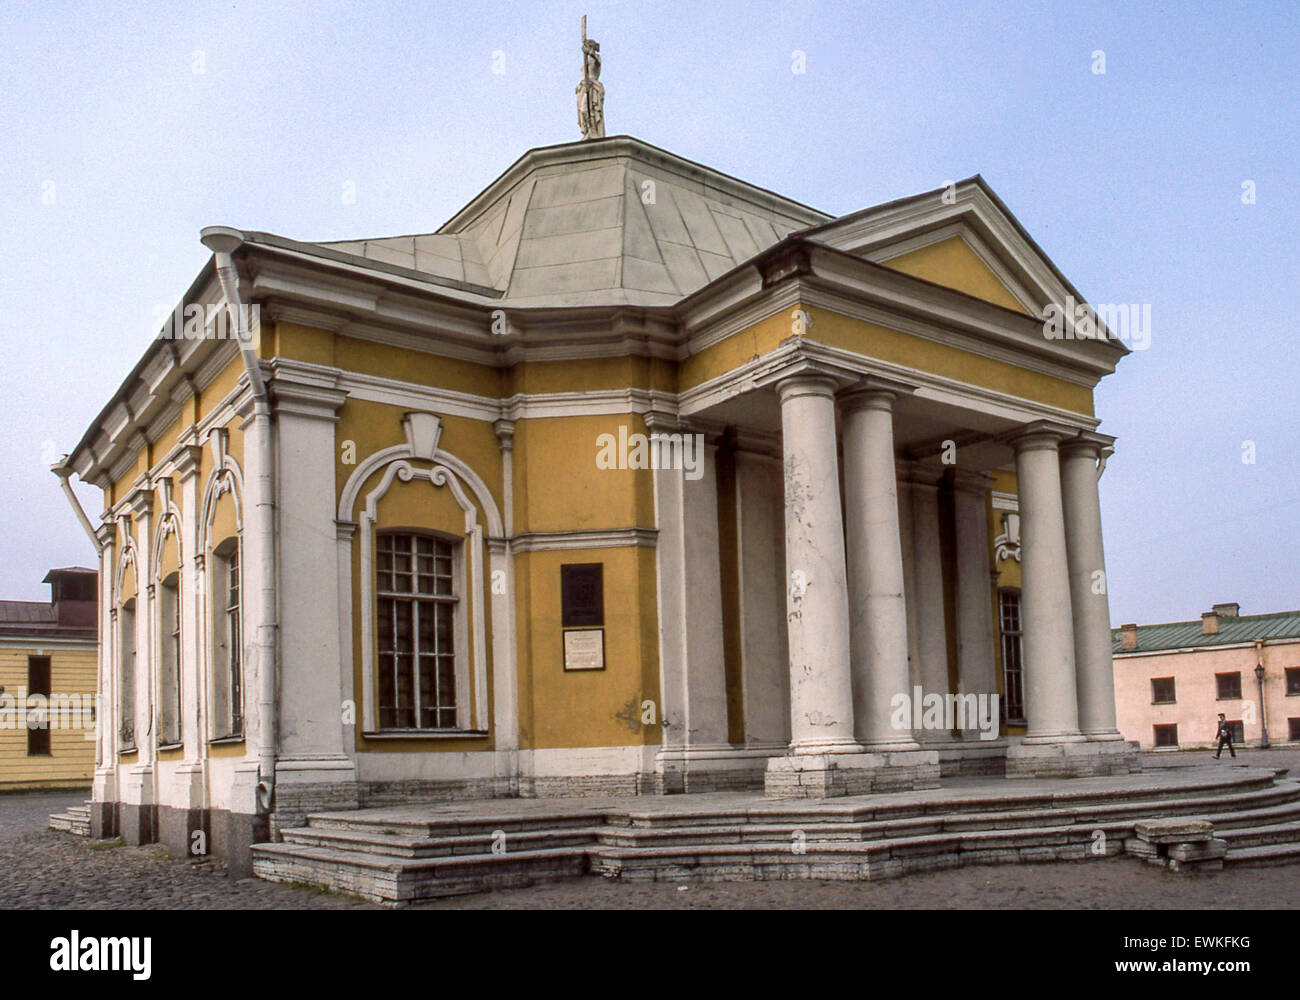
<point x="223" y="241"/>
<point x="64" y="472"/>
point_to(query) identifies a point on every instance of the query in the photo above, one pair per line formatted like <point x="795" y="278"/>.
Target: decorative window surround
<point x="1007" y="543"/>
<point x="423" y="431"/>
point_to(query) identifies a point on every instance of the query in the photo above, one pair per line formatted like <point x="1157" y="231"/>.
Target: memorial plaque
<point x="584" y="649"/>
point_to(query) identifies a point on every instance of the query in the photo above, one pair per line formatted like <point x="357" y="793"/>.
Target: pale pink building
<point x="1172" y="680"/>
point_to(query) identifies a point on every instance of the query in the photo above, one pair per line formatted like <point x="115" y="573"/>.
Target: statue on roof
<point x="591" y="92"/>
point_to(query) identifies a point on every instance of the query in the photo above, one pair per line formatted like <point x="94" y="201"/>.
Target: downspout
<point x="64" y="472"/>
<point x="223" y="241"/>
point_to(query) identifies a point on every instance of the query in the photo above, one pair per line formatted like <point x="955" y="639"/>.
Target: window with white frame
<point x="126" y="674"/>
<point x="416" y="604"/>
<point x="169" y="662"/>
<point x="227" y="642"/>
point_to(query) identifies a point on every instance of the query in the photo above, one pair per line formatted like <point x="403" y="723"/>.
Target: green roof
<point x="1187" y="635"/>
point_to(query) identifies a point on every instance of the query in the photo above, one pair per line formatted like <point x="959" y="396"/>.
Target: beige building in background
<point x="47" y="685"/>
<point x="1172" y="680"/>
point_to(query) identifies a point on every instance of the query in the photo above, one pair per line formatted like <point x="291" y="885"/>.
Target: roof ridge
<point x="1231" y="618"/>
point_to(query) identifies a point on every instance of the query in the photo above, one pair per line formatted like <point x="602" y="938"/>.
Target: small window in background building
<point x="1229" y="686"/>
<point x="1162" y="691"/>
<point x="1293" y="680"/>
<point x="1166" y="736"/>
<point x="1294" y="726"/>
<point x="38" y="683"/>
<point x="1238" y="731"/>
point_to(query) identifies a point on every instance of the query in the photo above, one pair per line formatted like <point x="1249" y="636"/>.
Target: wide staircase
<point x="76" y="820"/>
<point x="406" y="854"/>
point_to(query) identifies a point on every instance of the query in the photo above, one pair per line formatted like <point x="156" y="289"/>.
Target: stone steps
<point x="75" y="821"/>
<point x="1259" y="836"/>
<point x="401" y="846"/>
<point x="398" y="881"/>
<point x="1265" y="856"/>
<point x="385" y="822"/>
<point x="406" y="854"/>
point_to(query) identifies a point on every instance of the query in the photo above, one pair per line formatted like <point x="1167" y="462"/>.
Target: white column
<point x="310" y="712"/>
<point x="1094" y="672"/>
<point x="693" y="695"/>
<point x="505" y="676"/>
<point x="878" y="613"/>
<point x="817" y="604"/>
<point x="146" y="735"/>
<point x="931" y="673"/>
<point x="1050" y="695"/>
<point x="765" y="686"/>
<point x="191" y="598"/>
<point x="705" y="698"/>
<point x="976" y="665"/>
<point x="906" y="531"/>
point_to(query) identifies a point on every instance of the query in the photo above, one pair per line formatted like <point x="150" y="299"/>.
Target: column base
<point x="1087" y="759"/>
<point x="686" y="770"/>
<point x="183" y="820"/>
<point x="825" y="776"/>
<point x="137" y="815"/>
<point x="974" y="757"/>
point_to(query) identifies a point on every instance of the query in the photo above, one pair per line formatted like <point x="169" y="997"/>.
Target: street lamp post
<point x="1263" y="722"/>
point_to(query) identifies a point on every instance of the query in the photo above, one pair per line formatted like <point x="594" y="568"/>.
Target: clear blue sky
<point x="127" y="128"/>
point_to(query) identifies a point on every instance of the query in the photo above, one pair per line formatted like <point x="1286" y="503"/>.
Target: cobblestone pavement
<point x="43" y="869"/>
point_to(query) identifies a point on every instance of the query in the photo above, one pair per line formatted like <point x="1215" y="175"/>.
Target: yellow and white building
<point x="47" y="685"/>
<point x="631" y="478"/>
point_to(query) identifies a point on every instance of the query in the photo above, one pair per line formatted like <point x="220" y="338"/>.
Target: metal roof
<point x="1188" y="635"/>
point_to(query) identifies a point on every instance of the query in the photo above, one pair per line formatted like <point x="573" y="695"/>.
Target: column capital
<point x="188" y="461"/>
<point x="140" y="501"/>
<point x="806" y="383"/>
<point x="1039" y="435"/>
<point x="917" y="474"/>
<point x="868" y="398"/>
<point x="303" y="399"/>
<point x="971" y="482"/>
<point x="505" y="431"/>
<point x="873" y="392"/>
<point x="661" y="421"/>
<point x="1089" y="443"/>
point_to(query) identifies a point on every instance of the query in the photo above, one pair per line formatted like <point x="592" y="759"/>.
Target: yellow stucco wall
<point x="588" y="708"/>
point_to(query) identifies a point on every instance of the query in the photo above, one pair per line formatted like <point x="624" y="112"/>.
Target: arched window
<point x="1013" y="682"/>
<point x="416" y="623"/>
<point x="226" y="591"/>
<point x="169" y="661"/>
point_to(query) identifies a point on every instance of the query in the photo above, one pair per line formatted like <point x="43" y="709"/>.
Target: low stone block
<point x="1208" y="850"/>
<point x="1173" y="831"/>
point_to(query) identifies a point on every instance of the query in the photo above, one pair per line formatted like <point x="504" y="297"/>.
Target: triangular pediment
<point x="952" y="261"/>
<point x="961" y="236"/>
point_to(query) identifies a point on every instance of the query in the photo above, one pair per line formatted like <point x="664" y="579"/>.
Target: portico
<point x="887" y="582"/>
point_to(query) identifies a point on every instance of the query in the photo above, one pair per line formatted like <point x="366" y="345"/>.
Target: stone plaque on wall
<point x="584" y="649"/>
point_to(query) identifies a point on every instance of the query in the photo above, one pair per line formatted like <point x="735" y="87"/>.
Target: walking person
<point x="1225" y="737"/>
